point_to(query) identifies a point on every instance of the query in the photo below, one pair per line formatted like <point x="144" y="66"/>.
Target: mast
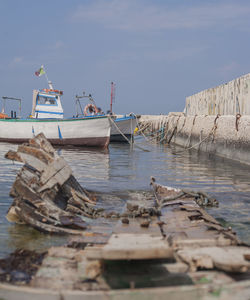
<point x="49" y="82"/>
<point x="112" y="96"/>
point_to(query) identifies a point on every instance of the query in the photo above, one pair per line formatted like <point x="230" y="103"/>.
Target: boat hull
<point x="89" y="132"/>
<point x="124" y="125"/>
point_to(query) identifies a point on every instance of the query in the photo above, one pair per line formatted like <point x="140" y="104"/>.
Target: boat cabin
<point x="47" y="104"/>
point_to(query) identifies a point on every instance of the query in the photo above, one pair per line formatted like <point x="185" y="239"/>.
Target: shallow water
<point x="124" y="171"/>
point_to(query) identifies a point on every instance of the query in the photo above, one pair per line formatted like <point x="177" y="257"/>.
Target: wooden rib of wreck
<point x="46" y="194"/>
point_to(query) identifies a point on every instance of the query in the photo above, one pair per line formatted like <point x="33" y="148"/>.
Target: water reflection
<point x="89" y="166"/>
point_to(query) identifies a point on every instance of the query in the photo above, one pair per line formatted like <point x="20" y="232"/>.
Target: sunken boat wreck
<point x="166" y="246"/>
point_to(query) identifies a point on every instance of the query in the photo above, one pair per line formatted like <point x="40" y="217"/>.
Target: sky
<point x="157" y="52"/>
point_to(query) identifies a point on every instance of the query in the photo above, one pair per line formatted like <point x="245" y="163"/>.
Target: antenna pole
<point x="112" y="96"/>
<point x="49" y="82"/>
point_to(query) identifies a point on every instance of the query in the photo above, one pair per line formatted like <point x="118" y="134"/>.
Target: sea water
<point x="123" y="170"/>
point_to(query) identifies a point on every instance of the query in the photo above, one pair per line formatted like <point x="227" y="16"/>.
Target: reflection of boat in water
<point x="47" y="117"/>
<point x="122" y="126"/>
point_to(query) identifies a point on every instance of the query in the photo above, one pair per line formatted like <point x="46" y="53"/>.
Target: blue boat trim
<point x="44" y="120"/>
<point x="47" y="104"/>
<point x="47" y="96"/>
<point x="59" y="133"/>
<point x="124" y="118"/>
<point x="48" y="112"/>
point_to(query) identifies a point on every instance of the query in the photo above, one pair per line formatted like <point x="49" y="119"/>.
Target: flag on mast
<point x="40" y="72"/>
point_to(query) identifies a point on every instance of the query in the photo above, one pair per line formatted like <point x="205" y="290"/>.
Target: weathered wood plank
<point x="12" y="155"/>
<point x="38" y="153"/>
<point x="81" y="197"/>
<point x="135" y="227"/>
<point x="29" y="217"/>
<point x="59" y="177"/>
<point x="133" y="246"/>
<point x="53" y="168"/>
<point x="41" y="142"/>
<point x="229" y="259"/>
<point x="33" y="161"/>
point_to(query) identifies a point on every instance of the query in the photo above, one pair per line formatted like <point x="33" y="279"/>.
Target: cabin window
<point x="41" y="100"/>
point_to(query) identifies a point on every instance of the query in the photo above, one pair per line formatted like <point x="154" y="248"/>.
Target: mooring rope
<point x="138" y="125"/>
<point x="201" y="141"/>
<point x="131" y="144"/>
<point x="149" y="140"/>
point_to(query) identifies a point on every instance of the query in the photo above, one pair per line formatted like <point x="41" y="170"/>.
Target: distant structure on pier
<point x="227" y="99"/>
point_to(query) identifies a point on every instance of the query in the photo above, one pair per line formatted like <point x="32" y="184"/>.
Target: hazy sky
<point x="157" y="52"/>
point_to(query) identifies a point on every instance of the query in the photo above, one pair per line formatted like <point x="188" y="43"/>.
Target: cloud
<point x="138" y="15"/>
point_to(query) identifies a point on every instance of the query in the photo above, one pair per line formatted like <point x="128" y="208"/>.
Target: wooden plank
<point x="34" y="162"/>
<point x="229" y="259"/>
<point x="40" y="141"/>
<point x="58" y="178"/>
<point x="135" y="227"/>
<point x="35" y="152"/>
<point x="127" y="246"/>
<point x="81" y="197"/>
<point x="96" y="239"/>
<point x="27" y="218"/>
<point x="187" y="224"/>
<point x="179" y="242"/>
<point x="53" y="168"/>
<point x="13" y="155"/>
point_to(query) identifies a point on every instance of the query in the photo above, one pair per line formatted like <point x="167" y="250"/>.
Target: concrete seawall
<point x="216" y="121"/>
<point x="227" y="99"/>
<point x="227" y="136"/>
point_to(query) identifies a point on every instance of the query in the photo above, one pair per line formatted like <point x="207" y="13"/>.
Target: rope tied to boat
<point x="124" y="136"/>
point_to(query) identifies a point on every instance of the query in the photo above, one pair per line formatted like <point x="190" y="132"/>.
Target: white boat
<point x="122" y="129"/>
<point x="47" y="117"/>
<point x="122" y="126"/>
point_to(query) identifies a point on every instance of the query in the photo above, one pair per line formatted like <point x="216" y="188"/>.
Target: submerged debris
<point x="125" y="221"/>
<point x="145" y="223"/>
<point x="201" y="198"/>
<point x="20" y="266"/>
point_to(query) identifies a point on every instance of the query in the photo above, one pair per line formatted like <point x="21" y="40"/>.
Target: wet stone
<point x="18" y="276"/>
<point x="132" y="207"/>
<point x="145" y="223"/>
<point x="125" y="221"/>
<point x="124" y="215"/>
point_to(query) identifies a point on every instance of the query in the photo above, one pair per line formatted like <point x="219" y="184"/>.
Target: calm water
<point x="123" y="171"/>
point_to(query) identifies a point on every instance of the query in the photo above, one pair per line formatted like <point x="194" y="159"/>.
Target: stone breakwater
<point x="230" y="98"/>
<point x="227" y="135"/>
